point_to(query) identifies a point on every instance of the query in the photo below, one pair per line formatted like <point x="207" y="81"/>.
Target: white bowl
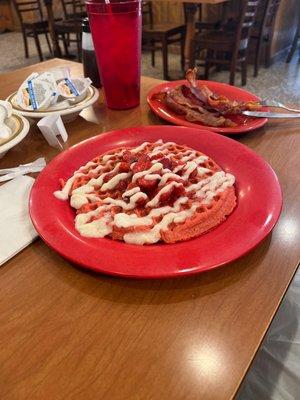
<point x="68" y="113"/>
<point x="20" y="127"/>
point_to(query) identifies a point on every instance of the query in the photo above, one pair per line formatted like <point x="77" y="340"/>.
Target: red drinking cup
<point x="116" y="32"/>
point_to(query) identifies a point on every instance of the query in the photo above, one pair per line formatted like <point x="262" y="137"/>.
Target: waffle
<point x="155" y="192"/>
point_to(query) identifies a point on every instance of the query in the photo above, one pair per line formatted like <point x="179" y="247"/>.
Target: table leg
<point x="190" y="15"/>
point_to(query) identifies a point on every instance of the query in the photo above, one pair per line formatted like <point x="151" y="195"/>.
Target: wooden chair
<point x="263" y="30"/>
<point x="202" y="26"/>
<point x="61" y="30"/>
<point x="227" y="47"/>
<point x="73" y="9"/>
<point x="29" y="28"/>
<point x="159" y="37"/>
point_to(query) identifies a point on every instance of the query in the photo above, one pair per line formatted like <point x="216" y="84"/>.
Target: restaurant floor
<point x="275" y="372"/>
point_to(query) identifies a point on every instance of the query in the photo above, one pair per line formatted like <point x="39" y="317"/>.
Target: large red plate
<point x="245" y="124"/>
<point x="259" y="206"/>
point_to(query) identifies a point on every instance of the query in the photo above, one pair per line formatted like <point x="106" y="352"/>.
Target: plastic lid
<point x="86" y="25"/>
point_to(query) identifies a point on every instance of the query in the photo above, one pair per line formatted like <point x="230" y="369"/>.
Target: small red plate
<point x="253" y="218"/>
<point x="245" y="124"/>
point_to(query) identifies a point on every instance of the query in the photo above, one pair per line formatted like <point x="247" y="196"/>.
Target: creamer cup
<point x="49" y="78"/>
<point x="34" y="94"/>
<point x="74" y="89"/>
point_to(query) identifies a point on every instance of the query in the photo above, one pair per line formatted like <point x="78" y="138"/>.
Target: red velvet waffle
<point x="150" y="193"/>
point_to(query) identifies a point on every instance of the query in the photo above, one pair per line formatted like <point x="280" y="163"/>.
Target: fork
<point x="273" y="103"/>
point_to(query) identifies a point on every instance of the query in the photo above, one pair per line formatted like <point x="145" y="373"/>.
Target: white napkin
<point x="16" y="229"/>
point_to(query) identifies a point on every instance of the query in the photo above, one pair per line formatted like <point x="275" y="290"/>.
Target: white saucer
<point x="20" y="127"/>
<point x="68" y="114"/>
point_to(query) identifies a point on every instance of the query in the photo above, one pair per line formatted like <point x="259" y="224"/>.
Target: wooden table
<point x="191" y="11"/>
<point x="70" y="334"/>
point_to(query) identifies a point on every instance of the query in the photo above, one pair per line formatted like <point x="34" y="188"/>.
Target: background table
<point x="71" y="334"/>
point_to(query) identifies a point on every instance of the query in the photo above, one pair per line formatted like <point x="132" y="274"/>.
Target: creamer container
<point x="74" y="89"/>
<point x="34" y="94"/>
<point x="49" y="78"/>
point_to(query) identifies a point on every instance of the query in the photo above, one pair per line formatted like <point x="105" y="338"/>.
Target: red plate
<point x="253" y="218"/>
<point x="245" y="124"/>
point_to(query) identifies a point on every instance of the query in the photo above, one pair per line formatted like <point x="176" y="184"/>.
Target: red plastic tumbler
<point x="116" y="32"/>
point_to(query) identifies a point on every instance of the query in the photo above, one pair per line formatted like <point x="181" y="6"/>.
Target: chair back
<point x="25" y="10"/>
<point x="147" y="13"/>
<point x="73" y="9"/>
<point x="269" y="17"/>
<point x="245" y="23"/>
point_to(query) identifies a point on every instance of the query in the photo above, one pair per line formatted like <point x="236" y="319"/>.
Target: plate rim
<point x="19" y="136"/>
<point x="71" y="110"/>
<point x="224" y="131"/>
<point x="179" y="273"/>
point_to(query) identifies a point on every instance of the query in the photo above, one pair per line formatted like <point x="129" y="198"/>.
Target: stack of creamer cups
<point x="51" y="90"/>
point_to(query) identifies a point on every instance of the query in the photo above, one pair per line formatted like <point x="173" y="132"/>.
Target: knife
<point x="262" y="114"/>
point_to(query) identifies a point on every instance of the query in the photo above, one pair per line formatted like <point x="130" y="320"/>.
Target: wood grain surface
<point x="70" y="334"/>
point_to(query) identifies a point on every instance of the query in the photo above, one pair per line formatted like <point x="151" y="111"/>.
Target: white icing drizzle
<point x="107" y="157"/>
<point x="156" y="199"/>
<point x="99" y="181"/>
<point x="153" y="235"/>
<point x="178" y="168"/>
<point x="126" y="206"/>
<point x="167" y="176"/>
<point x="189" y="168"/>
<point x="123" y="220"/>
<point x="139" y="148"/>
<point x="97" y="228"/>
<point x="157" y="212"/>
<point x="132" y="191"/>
<point x="63" y="194"/>
<point x="113" y="182"/>
<point x="152" y="177"/>
<point x="87" y="166"/>
<point x="155" y="167"/>
<point x="161" y="149"/>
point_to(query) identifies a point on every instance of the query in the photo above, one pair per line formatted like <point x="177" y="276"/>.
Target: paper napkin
<point x="16" y="229"/>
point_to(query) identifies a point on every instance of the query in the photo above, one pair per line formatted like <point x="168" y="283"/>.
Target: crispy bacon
<point x="200" y="104"/>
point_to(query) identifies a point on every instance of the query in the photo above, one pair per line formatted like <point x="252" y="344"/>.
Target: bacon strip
<point x="200" y="104"/>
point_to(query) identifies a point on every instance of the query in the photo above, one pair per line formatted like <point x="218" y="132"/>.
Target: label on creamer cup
<point x="71" y="88"/>
<point x="34" y="95"/>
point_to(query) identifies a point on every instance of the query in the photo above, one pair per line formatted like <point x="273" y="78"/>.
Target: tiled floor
<point x="281" y="81"/>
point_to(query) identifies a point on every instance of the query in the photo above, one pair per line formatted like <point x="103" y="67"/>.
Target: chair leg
<point x="25" y="43"/>
<point x="65" y="43"/>
<point x="209" y="55"/>
<point x="78" y="41"/>
<point x="192" y="59"/>
<point x="48" y="42"/>
<point x="268" y="55"/>
<point x="257" y="56"/>
<point x="38" y="46"/>
<point x="182" y="58"/>
<point x="152" y="53"/>
<point x="244" y="72"/>
<point x="232" y="72"/>
<point x="165" y="58"/>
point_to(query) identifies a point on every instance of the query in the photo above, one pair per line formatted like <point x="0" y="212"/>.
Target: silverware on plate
<point x="274" y="103"/>
<point x="266" y="114"/>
